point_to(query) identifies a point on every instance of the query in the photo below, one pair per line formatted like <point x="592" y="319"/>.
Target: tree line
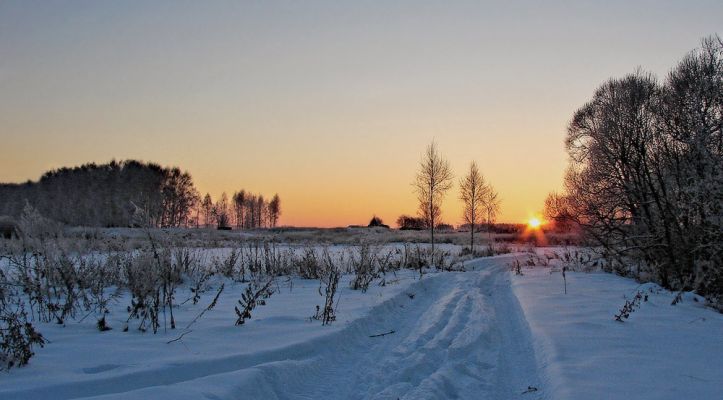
<point x="131" y="193"/>
<point x="244" y="210"/>
<point x="645" y="180"/>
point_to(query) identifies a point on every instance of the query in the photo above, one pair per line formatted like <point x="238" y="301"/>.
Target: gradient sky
<point x="330" y="103"/>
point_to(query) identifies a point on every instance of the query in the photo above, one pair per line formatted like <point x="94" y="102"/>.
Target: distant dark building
<point x="377" y="222"/>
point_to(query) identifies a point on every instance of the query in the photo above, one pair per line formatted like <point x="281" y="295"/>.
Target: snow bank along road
<point x="456" y="335"/>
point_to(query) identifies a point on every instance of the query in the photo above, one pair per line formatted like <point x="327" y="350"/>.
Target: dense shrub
<point x="17" y="335"/>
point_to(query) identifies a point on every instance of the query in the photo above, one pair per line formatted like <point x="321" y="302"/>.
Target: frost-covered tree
<point x="106" y="195"/>
<point x="646" y="175"/>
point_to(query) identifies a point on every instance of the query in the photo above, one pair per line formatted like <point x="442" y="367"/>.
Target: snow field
<point x="481" y="334"/>
<point x="660" y="352"/>
<point x="447" y="343"/>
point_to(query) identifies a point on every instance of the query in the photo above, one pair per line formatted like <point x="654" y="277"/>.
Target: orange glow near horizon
<point x="329" y="105"/>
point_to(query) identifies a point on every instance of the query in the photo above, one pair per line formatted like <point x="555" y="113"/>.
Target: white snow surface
<point x="480" y="334"/>
<point x="661" y="351"/>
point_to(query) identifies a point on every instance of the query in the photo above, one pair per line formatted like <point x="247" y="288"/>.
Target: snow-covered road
<point x="462" y="335"/>
<point x="456" y="335"/>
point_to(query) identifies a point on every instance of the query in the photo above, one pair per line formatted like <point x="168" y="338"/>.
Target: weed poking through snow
<point x="254" y="295"/>
<point x="629" y="307"/>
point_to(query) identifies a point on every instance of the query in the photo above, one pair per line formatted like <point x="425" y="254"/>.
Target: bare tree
<point x="433" y="180"/>
<point x="256" y="211"/>
<point x="491" y="208"/>
<point x="274" y="210"/>
<point x="473" y="193"/>
<point x="261" y="211"/>
<point x="220" y="211"/>
<point x="178" y="197"/>
<point x="239" y="202"/>
<point x="250" y="213"/>
<point x="207" y="208"/>
<point x="556" y="210"/>
<point x="406" y="222"/>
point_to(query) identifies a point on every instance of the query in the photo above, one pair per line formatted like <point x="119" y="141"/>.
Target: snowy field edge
<point x="661" y="351"/>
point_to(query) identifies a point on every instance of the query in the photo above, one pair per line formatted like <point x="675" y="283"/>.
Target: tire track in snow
<point x="468" y="339"/>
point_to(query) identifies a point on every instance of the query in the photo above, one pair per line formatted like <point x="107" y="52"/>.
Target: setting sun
<point x="534" y="223"/>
